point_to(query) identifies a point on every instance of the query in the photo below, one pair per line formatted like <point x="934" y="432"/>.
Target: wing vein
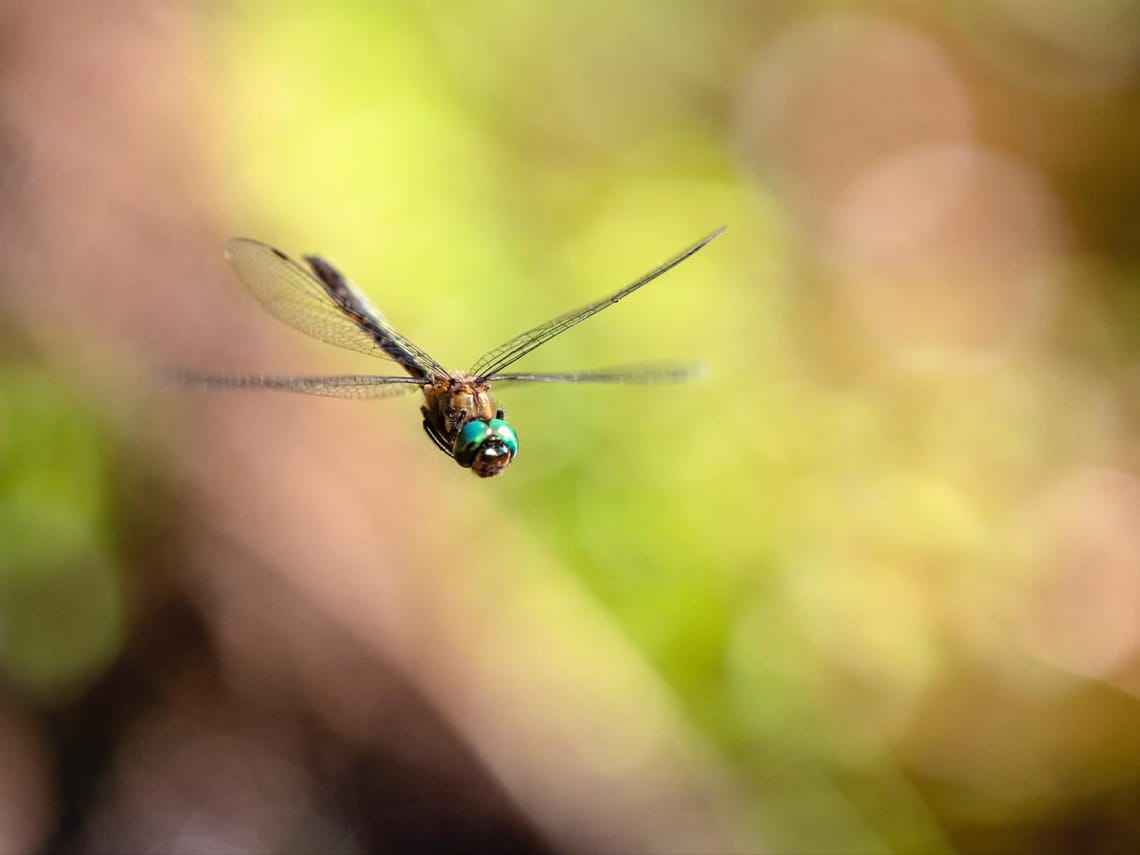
<point x="626" y="374"/>
<point x="321" y="303"/>
<point x="494" y="361"/>
<point x="337" y="386"/>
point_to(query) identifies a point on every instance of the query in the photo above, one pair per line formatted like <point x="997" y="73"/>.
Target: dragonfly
<point x="460" y="413"/>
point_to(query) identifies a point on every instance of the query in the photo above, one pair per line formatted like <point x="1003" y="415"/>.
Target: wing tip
<point x="232" y="245"/>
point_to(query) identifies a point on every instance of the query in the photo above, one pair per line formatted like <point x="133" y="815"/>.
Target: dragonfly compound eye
<point x="467" y="444"/>
<point x="497" y="449"/>
<point x="506" y="433"/>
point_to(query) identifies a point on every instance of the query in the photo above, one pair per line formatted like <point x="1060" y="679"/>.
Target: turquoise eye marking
<point x="468" y="442"/>
<point x="506" y="433"/>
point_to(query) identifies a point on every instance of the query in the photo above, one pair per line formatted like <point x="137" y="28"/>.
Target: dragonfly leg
<point x="500" y="415"/>
<point x="435" y="437"/>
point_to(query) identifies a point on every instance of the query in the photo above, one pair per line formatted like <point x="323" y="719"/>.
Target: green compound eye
<point x="506" y="433"/>
<point x="468" y="442"/>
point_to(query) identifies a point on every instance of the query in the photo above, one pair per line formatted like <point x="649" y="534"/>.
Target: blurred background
<point x="872" y="586"/>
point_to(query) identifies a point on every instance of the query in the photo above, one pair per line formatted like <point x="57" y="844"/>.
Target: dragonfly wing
<point x="496" y="360"/>
<point x="327" y="308"/>
<point x="342" y="386"/>
<point x="632" y="374"/>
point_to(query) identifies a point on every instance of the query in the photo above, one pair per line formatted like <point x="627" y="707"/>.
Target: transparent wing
<point x="323" y="304"/>
<point x="631" y="374"/>
<point x="496" y="360"/>
<point x="343" y="386"/>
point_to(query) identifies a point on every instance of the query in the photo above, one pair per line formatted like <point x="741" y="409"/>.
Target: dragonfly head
<point x="486" y="448"/>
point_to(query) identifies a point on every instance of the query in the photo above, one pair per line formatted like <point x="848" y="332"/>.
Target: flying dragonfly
<point x="460" y="414"/>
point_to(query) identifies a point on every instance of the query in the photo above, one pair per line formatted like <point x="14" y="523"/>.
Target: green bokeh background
<point x="828" y="555"/>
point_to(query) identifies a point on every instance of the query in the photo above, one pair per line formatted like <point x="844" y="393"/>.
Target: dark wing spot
<point x="279" y="253"/>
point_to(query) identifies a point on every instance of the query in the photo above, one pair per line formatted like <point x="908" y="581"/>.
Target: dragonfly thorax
<point x="461" y="416"/>
<point x="452" y="403"/>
